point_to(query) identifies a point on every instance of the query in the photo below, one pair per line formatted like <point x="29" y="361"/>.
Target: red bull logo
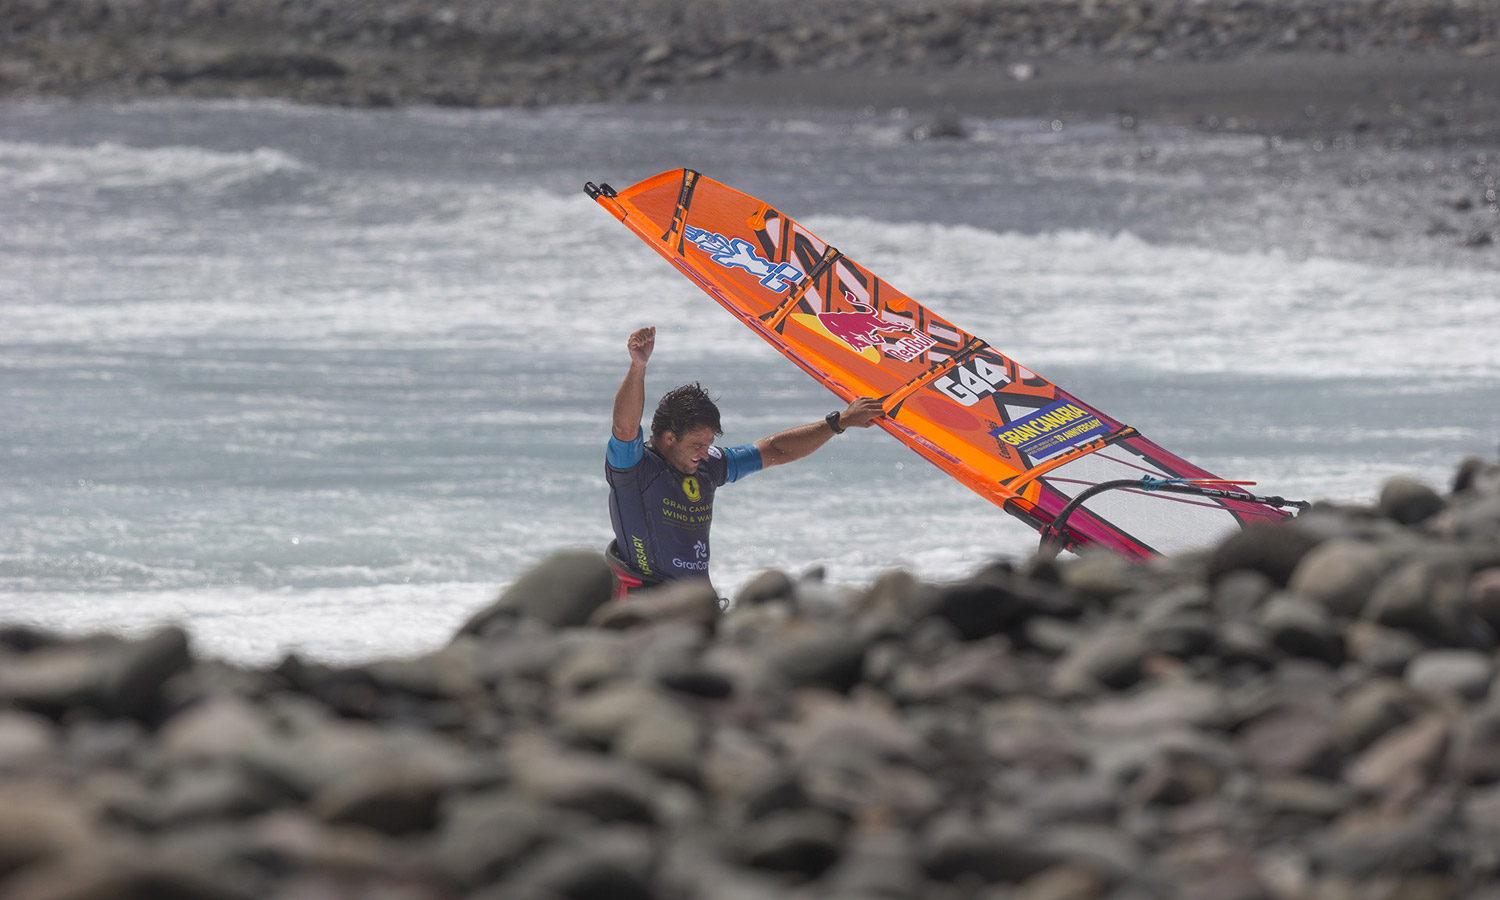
<point x="864" y="329"/>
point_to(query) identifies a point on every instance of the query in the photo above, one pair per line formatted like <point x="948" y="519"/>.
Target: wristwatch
<point x="833" y="421"/>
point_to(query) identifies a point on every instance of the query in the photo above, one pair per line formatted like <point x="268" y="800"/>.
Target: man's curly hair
<point x="685" y="409"/>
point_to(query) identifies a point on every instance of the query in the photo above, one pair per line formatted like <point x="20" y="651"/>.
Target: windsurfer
<point x="661" y="492"/>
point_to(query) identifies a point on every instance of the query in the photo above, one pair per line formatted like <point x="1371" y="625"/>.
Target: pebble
<point x="1306" y="714"/>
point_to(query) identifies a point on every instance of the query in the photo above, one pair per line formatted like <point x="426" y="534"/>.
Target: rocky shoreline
<point x="1307" y="711"/>
<point x="476" y="53"/>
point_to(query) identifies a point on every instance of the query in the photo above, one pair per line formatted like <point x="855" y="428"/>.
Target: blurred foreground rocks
<point x="481" y="53"/>
<point x="1307" y="711"/>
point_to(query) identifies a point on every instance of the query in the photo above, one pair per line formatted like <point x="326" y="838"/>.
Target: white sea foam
<point x="111" y="166"/>
<point x="257" y="628"/>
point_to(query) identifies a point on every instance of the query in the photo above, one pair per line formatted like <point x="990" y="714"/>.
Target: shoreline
<point x="1426" y="67"/>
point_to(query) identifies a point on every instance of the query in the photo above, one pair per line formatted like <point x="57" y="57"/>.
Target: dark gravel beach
<point x="1307" y="712"/>
<point x="1429" y="66"/>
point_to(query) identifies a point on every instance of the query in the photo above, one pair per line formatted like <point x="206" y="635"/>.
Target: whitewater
<point x="325" y="381"/>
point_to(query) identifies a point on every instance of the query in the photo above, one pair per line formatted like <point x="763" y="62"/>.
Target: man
<point x="661" y="494"/>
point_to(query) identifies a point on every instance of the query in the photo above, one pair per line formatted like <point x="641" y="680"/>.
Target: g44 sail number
<point x="972" y="380"/>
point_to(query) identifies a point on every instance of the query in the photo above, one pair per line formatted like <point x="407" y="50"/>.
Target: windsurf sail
<point x="1010" y="435"/>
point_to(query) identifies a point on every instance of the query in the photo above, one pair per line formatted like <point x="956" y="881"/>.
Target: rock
<point x="1298" y="742"/>
<point x="1299" y="628"/>
<point x="879" y="862"/>
<point x="26" y="741"/>
<point x="1340" y="574"/>
<point x="1484" y="596"/>
<point x="1239" y="593"/>
<point x="1387" y="651"/>
<point x="37" y="825"/>
<point x="1303" y="796"/>
<point x="1463" y="673"/>
<point x="391" y="801"/>
<point x="1403" y="760"/>
<point x="55" y="679"/>
<point x="485" y="835"/>
<point x="1373" y="709"/>
<point x="955" y="846"/>
<point x="1111" y="659"/>
<point x="113" y="878"/>
<point x="1272" y="550"/>
<point x="607" y="790"/>
<point x="1408" y="501"/>
<point x="765" y="587"/>
<point x="834" y="661"/>
<point x="601" y="864"/>
<point x="687" y="600"/>
<point x="1158" y="707"/>
<point x="140" y="668"/>
<point x="562" y="590"/>
<point x="1476" y="746"/>
<point x="1063" y="882"/>
<point x="804" y="843"/>
<point x="995" y="600"/>
<point x="1427" y="597"/>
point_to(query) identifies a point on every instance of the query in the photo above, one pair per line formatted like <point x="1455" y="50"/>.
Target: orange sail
<point x="1005" y="432"/>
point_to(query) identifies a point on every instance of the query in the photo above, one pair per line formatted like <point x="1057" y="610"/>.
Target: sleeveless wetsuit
<point x="661" y="516"/>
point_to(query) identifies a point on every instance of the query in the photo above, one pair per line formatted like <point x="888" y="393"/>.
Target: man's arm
<point x="630" y="399"/>
<point x="795" y="443"/>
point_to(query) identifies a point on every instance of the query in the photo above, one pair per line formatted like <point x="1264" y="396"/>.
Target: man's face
<point x="685" y="452"/>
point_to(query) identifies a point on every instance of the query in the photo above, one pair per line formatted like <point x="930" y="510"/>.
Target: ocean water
<point x="325" y="381"/>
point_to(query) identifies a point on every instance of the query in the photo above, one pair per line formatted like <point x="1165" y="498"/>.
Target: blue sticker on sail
<point x="1051" y="430"/>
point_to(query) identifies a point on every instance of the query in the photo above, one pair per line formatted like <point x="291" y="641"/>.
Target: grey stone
<point x="1297" y="741"/>
<point x="955" y="847"/>
<point x="1239" y="593"/>
<point x="562" y="590"/>
<point x="599" y="864"/>
<point x="1484" y="596"/>
<point x="765" y="587"/>
<point x="1340" y="574"/>
<point x="1083" y="798"/>
<point x="1465" y="674"/>
<point x="194" y="794"/>
<point x="1403" y="760"/>
<point x="1062" y="882"/>
<point x="483" y="836"/>
<point x="37" y="825"/>
<point x="831" y="660"/>
<point x="104" y="877"/>
<point x="1303" y="796"/>
<point x="1110" y="659"/>
<point x="804" y="842"/>
<point x="26" y="741"/>
<point x="55" y="679"/>
<point x="1425" y="597"/>
<point x="606" y="789"/>
<point x="1272" y="550"/>
<point x="1157" y="707"/>
<point x="1300" y="628"/>
<point x="394" y="801"/>
<point x="1476" y="746"/>
<point x="1373" y="709"/>
<point x="1409" y="501"/>
<point x="686" y="600"/>
<point x="1387" y="651"/>
<point x="878" y="862"/>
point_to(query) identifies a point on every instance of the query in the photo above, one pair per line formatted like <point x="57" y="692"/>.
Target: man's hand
<point x="641" y="343"/>
<point x="861" y="413"/>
